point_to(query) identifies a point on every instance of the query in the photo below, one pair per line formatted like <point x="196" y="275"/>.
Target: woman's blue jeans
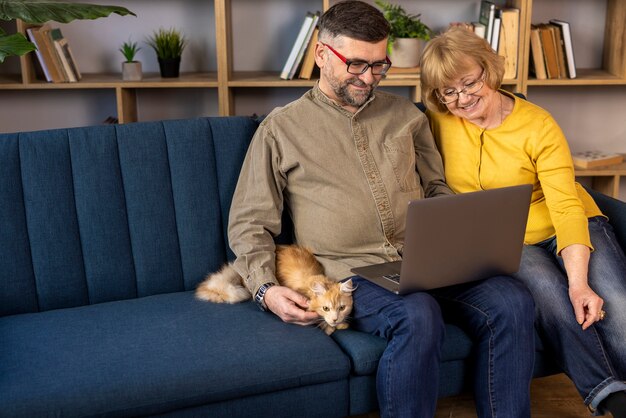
<point x="594" y="359"/>
<point x="498" y="315"/>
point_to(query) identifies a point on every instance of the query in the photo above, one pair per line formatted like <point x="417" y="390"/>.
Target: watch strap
<point x="259" y="296"/>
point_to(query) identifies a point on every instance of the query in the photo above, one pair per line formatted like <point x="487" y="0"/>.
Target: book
<point x="46" y="54"/>
<point x="479" y="29"/>
<point x="591" y="159"/>
<point x="495" y="33"/>
<point x="486" y="17"/>
<point x="538" y="67"/>
<point x="39" y="56"/>
<point x="509" y="41"/>
<point x="560" y="50"/>
<point x="64" y="59"/>
<point x="568" y="48"/>
<point x="548" y="44"/>
<point x="65" y="53"/>
<point x="308" y="62"/>
<point x="67" y="69"/>
<point x="297" y="46"/>
<point x="73" y="62"/>
<point x="56" y="58"/>
<point x="307" y="41"/>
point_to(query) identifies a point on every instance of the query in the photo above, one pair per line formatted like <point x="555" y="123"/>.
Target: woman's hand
<point x="587" y="304"/>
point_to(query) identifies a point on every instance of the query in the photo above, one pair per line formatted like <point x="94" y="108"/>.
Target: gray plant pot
<point x="405" y="52"/>
<point x="131" y="71"/>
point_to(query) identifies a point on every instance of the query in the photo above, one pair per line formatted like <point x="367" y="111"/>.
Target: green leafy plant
<point x="167" y="43"/>
<point x="403" y="25"/>
<point x="41" y="11"/>
<point x="129" y="50"/>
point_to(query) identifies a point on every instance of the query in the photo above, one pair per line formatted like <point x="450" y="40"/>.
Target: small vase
<point x="169" y="67"/>
<point x="405" y="52"/>
<point x="131" y="71"/>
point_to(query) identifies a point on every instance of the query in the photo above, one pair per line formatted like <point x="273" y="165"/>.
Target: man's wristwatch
<point x="260" y="295"/>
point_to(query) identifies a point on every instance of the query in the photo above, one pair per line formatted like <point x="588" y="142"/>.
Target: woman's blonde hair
<point x="451" y="54"/>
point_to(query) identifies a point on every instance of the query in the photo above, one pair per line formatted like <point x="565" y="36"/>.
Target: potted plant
<point x="131" y="69"/>
<point x="168" y="45"/>
<point x="35" y="12"/>
<point x="407" y="33"/>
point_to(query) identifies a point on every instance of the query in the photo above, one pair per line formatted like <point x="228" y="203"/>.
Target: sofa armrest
<point x="616" y="211"/>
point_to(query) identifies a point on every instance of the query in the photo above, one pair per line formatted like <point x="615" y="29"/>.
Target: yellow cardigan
<point x="528" y="148"/>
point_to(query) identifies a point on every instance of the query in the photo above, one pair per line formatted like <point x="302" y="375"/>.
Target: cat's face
<point x="333" y="302"/>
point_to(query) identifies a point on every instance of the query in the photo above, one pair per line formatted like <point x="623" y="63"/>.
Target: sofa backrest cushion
<point x="96" y="214"/>
<point x="616" y="211"/>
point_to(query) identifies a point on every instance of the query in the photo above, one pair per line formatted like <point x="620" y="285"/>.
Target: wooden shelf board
<point x="154" y="80"/>
<point x="265" y="79"/>
<point x="272" y="79"/>
<point x="114" y="80"/>
<point x="396" y="80"/>
<point x="10" y="79"/>
<point x="585" y="77"/>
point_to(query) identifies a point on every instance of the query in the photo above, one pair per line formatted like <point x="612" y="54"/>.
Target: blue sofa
<point x="105" y="232"/>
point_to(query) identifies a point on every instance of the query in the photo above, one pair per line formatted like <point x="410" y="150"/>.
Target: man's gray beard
<point x="353" y="100"/>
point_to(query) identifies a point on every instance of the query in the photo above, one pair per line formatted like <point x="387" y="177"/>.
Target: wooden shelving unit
<point x="228" y="80"/>
<point x="613" y="70"/>
<point x="605" y="179"/>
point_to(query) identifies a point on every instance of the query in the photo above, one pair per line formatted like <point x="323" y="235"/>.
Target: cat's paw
<point x="328" y="329"/>
<point x="343" y="325"/>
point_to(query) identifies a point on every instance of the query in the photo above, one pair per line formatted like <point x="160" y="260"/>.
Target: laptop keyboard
<point x="392" y="277"/>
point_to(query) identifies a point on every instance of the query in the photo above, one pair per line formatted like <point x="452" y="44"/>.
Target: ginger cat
<point x="298" y="269"/>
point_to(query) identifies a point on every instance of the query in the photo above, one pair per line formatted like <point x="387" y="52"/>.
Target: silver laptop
<point x="457" y="239"/>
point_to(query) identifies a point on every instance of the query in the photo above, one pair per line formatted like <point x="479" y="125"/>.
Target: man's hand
<point x="289" y="305"/>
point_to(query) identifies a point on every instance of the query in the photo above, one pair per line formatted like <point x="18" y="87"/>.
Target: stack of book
<point x="500" y="27"/>
<point x="54" y="56"/>
<point x="302" y="55"/>
<point x="552" y="53"/>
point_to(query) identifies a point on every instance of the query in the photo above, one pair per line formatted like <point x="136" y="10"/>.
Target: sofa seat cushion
<point x="365" y="350"/>
<point x="153" y="355"/>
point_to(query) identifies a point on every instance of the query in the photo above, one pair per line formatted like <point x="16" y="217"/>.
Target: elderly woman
<point x="571" y="262"/>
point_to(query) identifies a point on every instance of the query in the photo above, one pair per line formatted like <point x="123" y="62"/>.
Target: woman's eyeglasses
<point x="450" y="95"/>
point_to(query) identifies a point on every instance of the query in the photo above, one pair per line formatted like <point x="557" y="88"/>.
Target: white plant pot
<point x="405" y="52"/>
<point x="131" y="71"/>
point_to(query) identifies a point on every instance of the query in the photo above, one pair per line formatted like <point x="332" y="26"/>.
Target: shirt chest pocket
<point x="401" y="154"/>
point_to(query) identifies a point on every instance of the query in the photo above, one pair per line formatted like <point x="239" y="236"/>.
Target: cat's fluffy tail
<point x="225" y="286"/>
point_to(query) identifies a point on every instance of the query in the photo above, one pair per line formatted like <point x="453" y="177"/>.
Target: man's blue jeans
<point x="594" y="359"/>
<point x="498" y="315"/>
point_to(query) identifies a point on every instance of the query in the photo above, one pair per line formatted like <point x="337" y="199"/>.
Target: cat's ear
<point x="347" y="287"/>
<point x="318" y="288"/>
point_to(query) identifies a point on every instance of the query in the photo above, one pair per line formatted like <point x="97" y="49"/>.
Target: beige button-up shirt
<point x="345" y="179"/>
